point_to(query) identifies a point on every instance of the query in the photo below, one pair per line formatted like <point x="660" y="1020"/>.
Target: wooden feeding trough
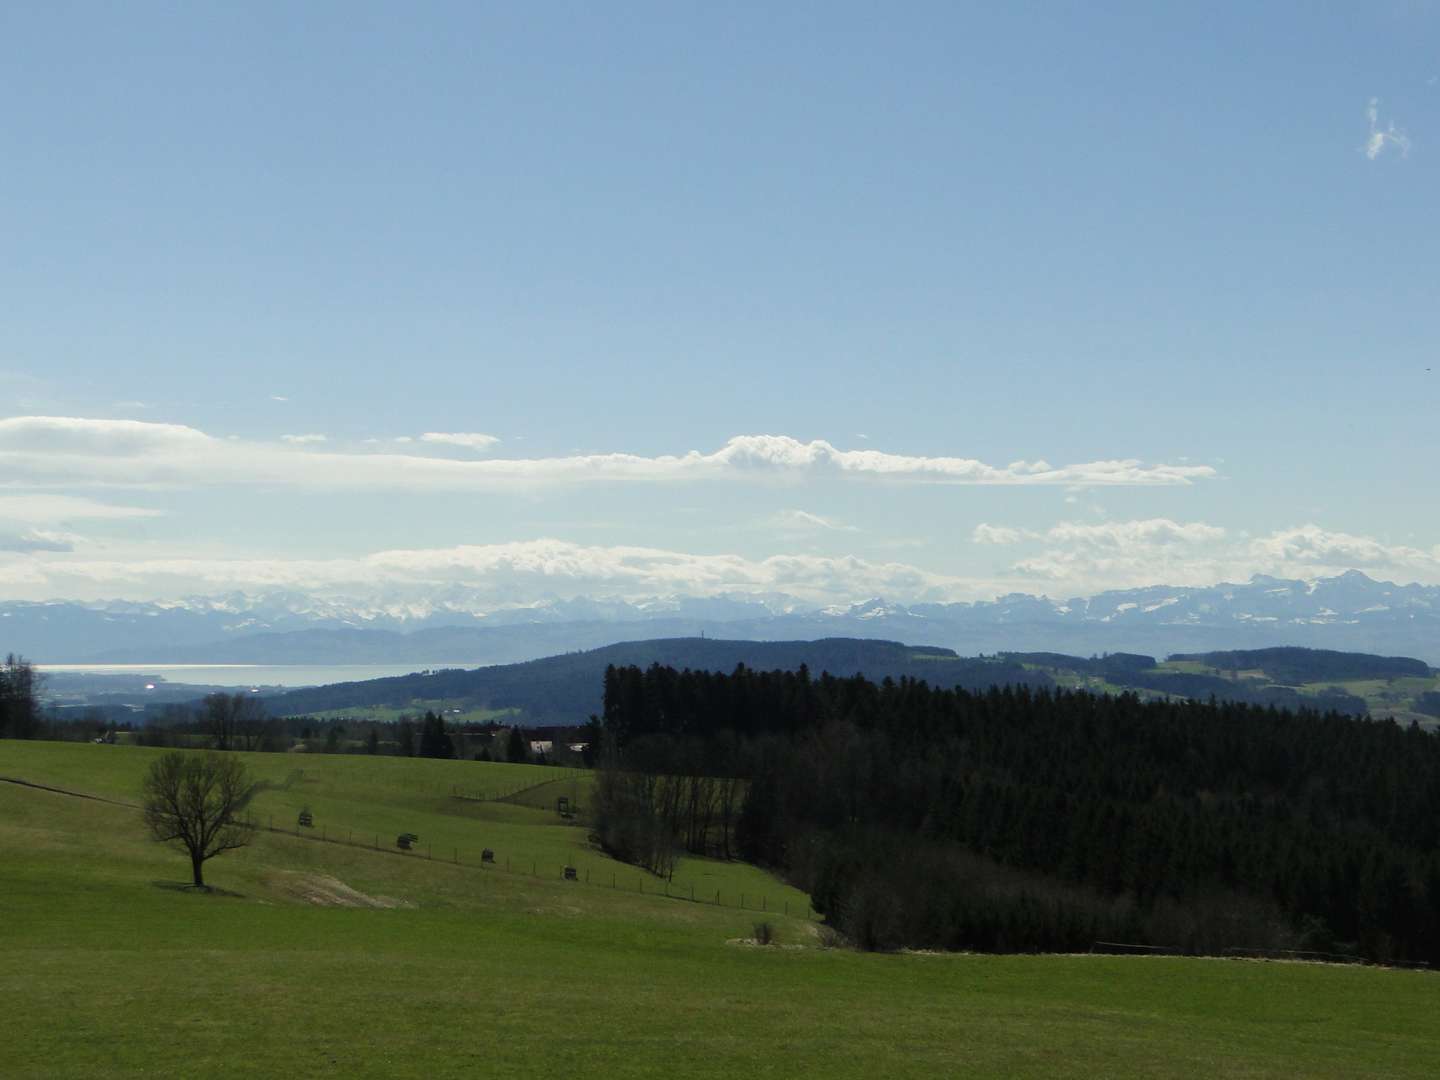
<point x="406" y="840"/>
<point x="570" y="874"/>
<point x="305" y="820"/>
<point x="487" y="856"/>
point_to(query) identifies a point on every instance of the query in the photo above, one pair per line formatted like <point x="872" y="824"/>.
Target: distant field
<point x="323" y="958"/>
<point x="454" y="711"/>
<point x="1383" y="697"/>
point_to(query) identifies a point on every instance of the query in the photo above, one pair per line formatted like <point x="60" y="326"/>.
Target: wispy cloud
<point x="56" y="451"/>
<point x="38" y="509"/>
<point x="32" y="540"/>
<point x="1381" y="138"/>
<point x="804" y="521"/>
<point x="471" y="440"/>
<point x="303" y="440"/>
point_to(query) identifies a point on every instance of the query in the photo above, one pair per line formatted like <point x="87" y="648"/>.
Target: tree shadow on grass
<point x="202" y="890"/>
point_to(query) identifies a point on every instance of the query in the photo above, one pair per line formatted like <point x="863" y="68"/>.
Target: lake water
<point x="243" y="675"/>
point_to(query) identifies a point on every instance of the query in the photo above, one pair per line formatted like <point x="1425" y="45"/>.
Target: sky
<point x="927" y="301"/>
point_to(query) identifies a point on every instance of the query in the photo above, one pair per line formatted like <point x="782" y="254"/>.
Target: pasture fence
<point x="510" y="793"/>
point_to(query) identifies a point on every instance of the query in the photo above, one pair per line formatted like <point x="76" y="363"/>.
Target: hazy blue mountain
<point x="1351" y="612"/>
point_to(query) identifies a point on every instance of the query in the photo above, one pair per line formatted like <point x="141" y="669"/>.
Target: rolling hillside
<point x="322" y="958"/>
<point x="1359" y="684"/>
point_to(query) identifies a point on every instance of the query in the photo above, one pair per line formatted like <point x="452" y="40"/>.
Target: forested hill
<point x="1044" y="820"/>
<point x="1293" y="666"/>
<point x="567" y="689"/>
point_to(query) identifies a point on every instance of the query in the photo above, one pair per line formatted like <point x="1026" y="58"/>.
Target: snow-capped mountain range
<point x="1350" y="612"/>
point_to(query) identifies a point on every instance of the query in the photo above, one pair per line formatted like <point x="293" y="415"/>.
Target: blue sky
<point x="1199" y="240"/>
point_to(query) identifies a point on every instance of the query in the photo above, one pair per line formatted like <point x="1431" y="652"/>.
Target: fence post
<point x="764" y="903"/>
<point x="742" y="899"/>
<point x="457" y="856"/>
<point x="323" y="832"/>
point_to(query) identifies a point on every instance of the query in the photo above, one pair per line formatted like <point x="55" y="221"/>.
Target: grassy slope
<point x="109" y="970"/>
<point x="371" y="800"/>
<point x="1384" y="697"/>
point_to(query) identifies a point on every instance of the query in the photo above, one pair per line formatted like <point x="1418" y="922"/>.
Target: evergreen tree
<point x="517" y="748"/>
<point x="435" y="741"/>
<point x="406" y="733"/>
<point x="19" y="704"/>
<point x="1019" y="818"/>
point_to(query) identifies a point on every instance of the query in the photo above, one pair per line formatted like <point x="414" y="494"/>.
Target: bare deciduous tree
<point x="195" y="800"/>
<point x="233" y="721"/>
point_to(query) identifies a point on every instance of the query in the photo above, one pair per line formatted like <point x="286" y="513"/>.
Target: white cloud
<point x="1077" y="558"/>
<point x="1310" y="545"/>
<point x="303" y="440"/>
<point x="278" y="397"/>
<point x="495" y="575"/>
<point x="1380" y="137"/>
<point x="56" y="451"/>
<point x="1124" y="534"/>
<point x="1065" y="560"/>
<point x="1109" y="534"/>
<point x="471" y="440"/>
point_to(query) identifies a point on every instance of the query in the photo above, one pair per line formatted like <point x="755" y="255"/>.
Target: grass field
<point x="318" y="958"/>
<point x="455" y="711"/>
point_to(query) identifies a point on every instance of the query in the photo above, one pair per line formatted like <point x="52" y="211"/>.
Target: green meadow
<point x="313" y="957"/>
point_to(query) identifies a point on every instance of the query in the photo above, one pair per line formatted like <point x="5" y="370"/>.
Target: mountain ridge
<point x="1350" y="611"/>
<point x="566" y="688"/>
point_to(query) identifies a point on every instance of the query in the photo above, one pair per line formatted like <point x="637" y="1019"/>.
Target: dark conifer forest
<point x="1022" y="819"/>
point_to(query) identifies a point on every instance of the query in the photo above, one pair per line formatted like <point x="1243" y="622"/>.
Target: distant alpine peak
<point x="1349" y="611"/>
<point x="456" y="604"/>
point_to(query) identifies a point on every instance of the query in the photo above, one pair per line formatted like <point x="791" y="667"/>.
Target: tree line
<point x="19" y="699"/>
<point x="241" y="721"/>
<point x="1021" y="819"/>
